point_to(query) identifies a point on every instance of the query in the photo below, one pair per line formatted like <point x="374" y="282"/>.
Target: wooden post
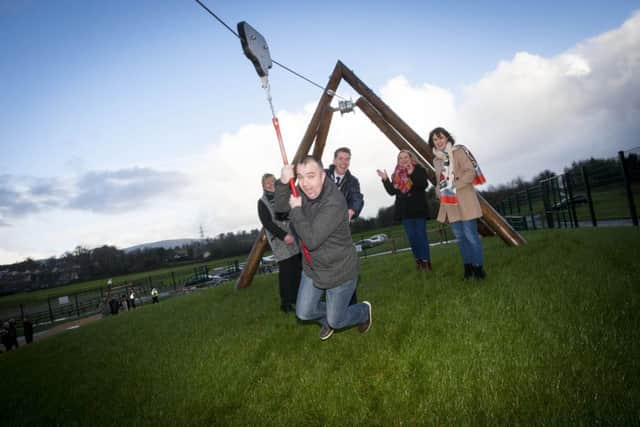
<point x="389" y="115"/>
<point x="392" y="134"/>
<point x="323" y="132"/>
<point x="323" y="104"/>
<point x="253" y="261"/>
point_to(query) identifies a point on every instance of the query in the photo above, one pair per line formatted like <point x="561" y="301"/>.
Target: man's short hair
<point x="310" y="159"/>
<point x="341" y="150"/>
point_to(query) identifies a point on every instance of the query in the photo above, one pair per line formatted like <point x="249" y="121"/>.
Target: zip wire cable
<point x="219" y="20"/>
<point x="330" y="92"/>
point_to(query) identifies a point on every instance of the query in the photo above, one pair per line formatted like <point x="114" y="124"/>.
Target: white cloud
<point x="528" y="114"/>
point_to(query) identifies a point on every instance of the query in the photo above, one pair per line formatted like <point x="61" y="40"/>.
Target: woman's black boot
<point x="478" y="272"/>
<point x="468" y="271"/>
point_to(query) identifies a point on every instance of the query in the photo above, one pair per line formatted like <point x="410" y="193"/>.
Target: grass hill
<point x="551" y="337"/>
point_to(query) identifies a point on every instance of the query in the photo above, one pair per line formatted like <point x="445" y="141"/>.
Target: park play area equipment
<point x="389" y="123"/>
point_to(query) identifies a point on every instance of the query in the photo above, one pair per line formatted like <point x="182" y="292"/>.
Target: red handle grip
<point x="294" y="190"/>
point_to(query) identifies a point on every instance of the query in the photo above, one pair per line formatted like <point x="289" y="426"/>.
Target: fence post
<point x="77" y="308"/>
<point x="545" y="203"/>
<point x="21" y="311"/>
<point x="627" y="186"/>
<point x="530" y="203"/>
<point x="587" y="186"/>
<point x="573" y="217"/>
<point x="50" y="310"/>
<point x="173" y="279"/>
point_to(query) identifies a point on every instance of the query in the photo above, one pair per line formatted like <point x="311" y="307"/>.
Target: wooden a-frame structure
<point x="405" y="138"/>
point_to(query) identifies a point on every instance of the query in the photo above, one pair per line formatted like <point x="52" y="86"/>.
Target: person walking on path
<point x="408" y="184"/>
<point x="320" y="218"/>
<point x="457" y="172"/>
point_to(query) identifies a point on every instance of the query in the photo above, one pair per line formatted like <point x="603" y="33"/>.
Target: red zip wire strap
<point x="283" y="153"/>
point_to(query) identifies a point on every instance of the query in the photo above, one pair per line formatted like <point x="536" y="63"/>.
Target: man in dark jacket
<point x="348" y="185"/>
<point x="320" y="219"/>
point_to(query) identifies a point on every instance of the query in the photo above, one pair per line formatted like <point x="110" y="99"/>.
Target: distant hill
<point x="167" y="244"/>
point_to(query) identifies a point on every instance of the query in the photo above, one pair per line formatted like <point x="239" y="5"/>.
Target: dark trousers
<point x="289" y="279"/>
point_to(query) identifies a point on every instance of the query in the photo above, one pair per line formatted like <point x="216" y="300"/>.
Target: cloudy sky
<point x="132" y="121"/>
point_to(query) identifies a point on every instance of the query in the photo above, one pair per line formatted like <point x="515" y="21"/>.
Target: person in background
<point x="132" y="298"/>
<point x="283" y="245"/>
<point x="27" y="327"/>
<point x="13" y="333"/>
<point x="331" y="266"/>
<point x="114" y="305"/>
<point x="408" y="183"/>
<point x="124" y="303"/>
<point x="4" y="336"/>
<point x="457" y="172"/>
<point x="347" y="183"/>
<point x="349" y="186"/>
<point x="154" y="295"/>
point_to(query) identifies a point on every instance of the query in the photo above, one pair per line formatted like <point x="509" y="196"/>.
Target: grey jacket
<point x="323" y="226"/>
<point x="280" y="249"/>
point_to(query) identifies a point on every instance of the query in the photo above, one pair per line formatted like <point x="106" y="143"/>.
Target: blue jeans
<point x="415" y="228"/>
<point x="335" y="311"/>
<point x="469" y="241"/>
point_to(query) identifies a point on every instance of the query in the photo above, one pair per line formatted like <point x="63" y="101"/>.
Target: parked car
<point x="378" y="239"/>
<point x="364" y="243"/>
<point x="268" y="260"/>
<point x="196" y="280"/>
<point x="578" y="199"/>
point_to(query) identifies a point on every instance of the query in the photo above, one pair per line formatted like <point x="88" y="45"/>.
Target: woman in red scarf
<point x="457" y="172"/>
<point x="408" y="183"/>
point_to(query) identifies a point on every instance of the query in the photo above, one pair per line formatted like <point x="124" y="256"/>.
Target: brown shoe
<point x="364" y="327"/>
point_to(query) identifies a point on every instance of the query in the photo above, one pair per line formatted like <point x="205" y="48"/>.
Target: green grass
<point x="551" y="337"/>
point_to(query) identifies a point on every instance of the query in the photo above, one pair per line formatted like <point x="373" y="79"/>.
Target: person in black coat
<point x="282" y="243"/>
<point x="27" y="327"/>
<point x="408" y="184"/>
<point x="349" y="186"/>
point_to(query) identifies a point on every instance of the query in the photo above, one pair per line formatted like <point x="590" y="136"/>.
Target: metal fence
<point x="64" y="307"/>
<point x="590" y="196"/>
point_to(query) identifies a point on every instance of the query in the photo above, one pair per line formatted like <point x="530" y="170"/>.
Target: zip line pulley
<point x="256" y="49"/>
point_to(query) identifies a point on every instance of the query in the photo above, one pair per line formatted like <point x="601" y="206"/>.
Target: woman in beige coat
<point x="458" y="172"/>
